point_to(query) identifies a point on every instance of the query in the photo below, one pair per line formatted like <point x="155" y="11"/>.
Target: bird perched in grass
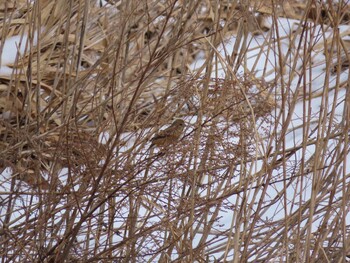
<point x="170" y="135"/>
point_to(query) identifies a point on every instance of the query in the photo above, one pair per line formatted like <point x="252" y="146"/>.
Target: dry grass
<point x="97" y="82"/>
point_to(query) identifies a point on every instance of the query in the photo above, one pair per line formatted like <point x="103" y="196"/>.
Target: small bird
<point x="169" y="135"/>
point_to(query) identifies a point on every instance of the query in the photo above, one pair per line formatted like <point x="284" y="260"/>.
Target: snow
<point x="315" y="82"/>
<point x="12" y="48"/>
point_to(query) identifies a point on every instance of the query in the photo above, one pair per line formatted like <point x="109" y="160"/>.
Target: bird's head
<point x="179" y="123"/>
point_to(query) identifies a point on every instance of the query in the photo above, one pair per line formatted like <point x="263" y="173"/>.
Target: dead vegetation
<point x="95" y="82"/>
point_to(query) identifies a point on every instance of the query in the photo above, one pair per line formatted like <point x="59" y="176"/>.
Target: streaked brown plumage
<point x="169" y="135"/>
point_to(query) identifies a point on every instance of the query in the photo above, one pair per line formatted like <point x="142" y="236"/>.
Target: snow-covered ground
<point x="312" y="110"/>
<point x="288" y="198"/>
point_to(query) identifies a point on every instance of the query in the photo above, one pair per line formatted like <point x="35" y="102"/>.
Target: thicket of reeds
<point x="97" y="81"/>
